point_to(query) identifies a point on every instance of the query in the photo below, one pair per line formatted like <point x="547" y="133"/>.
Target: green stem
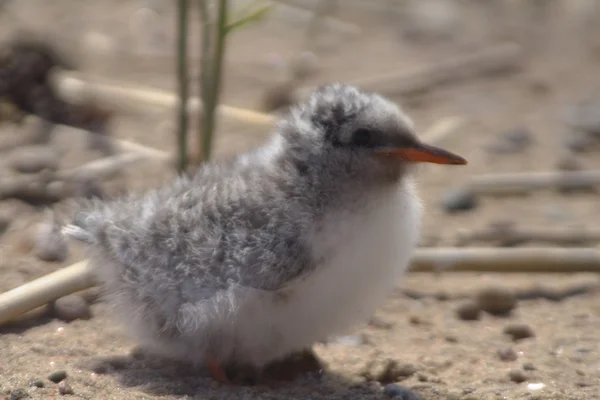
<point x="211" y="97"/>
<point x="182" y="74"/>
<point x="205" y="73"/>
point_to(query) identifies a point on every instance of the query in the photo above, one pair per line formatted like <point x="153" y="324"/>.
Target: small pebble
<point x="468" y="311"/>
<point x="71" y="307"/>
<point x="99" y="367"/>
<point x="64" y="388"/>
<point x="507" y="354"/>
<point x="38" y="383"/>
<point x="33" y="159"/>
<point x="379" y="323"/>
<point x="578" y="141"/>
<point x="398" y="392"/>
<point x="57" y="376"/>
<point x="441" y="296"/>
<point x="460" y="199"/>
<point x="18" y="394"/>
<point x="451" y="339"/>
<point x="388" y="371"/>
<point x="519" y="331"/>
<point x="50" y="245"/>
<point x="583" y="349"/>
<point x="518" y="376"/>
<point x="405" y="370"/>
<point x="496" y="299"/>
<point x="529" y="366"/>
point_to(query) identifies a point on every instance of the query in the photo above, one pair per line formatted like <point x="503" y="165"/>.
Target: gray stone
<point x="70" y="308"/>
<point x="18" y="394"/>
<point x="507" y="354"/>
<point x="519" y="331"/>
<point x="64" y="388"/>
<point x="516" y="375"/>
<point x="468" y="311"/>
<point x="460" y="199"/>
<point x="496" y="299"/>
<point x="398" y="392"/>
<point x="58" y="376"/>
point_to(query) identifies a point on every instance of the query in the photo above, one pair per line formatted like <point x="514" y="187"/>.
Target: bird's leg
<point x="216" y="370"/>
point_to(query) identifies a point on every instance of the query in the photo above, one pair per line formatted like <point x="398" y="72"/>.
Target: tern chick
<point x="258" y="257"/>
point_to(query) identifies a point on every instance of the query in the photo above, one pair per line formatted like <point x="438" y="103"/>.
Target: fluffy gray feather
<point x="243" y="223"/>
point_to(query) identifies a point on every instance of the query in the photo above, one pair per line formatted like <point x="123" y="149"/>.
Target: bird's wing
<point x="209" y="236"/>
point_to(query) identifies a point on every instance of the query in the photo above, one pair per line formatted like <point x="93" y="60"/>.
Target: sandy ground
<point x="416" y="339"/>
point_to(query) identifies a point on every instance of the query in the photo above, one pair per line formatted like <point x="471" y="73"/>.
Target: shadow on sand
<point x="300" y="377"/>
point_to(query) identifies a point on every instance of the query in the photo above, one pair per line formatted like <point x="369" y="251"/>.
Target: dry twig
<point x="52" y="186"/>
<point x="544" y="259"/>
<point x="43" y="290"/>
<point x="76" y="87"/>
<point x="511" y="235"/>
<point x="524" y="182"/>
<point x="534" y="259"/>
<point x="442" y="129"/>
<point x="501" y="58"/>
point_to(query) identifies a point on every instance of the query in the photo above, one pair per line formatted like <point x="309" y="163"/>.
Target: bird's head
<point x="344" y="130"/>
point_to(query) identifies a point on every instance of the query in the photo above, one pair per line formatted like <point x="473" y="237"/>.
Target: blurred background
<point x="511" y="85"/>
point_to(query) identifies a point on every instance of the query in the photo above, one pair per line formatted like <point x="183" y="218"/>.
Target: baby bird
<point x="258" y="257"/>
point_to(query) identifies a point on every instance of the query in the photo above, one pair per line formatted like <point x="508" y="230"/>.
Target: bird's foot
<point x="217" y="372"/>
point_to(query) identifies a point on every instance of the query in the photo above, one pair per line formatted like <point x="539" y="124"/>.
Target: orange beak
<point x="422" y="152"/>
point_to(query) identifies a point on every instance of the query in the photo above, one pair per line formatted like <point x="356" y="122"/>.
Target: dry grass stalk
<point x="524" y="182"/>
<point x="543" y="259"/>
<point x="442" y="129"/>
<point x="76" y="87"/>
<point x="40" y="188"/>
<point x="509" y="260"/>
<point x="43" y="290"/>
<point x="511" y="235"/>
<point x="500" y="58"/>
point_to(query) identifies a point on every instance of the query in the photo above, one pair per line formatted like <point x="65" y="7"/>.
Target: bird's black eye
<point x="363" y="138"/>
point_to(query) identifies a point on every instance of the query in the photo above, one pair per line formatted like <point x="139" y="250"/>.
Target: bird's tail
<point x="78" y="233"/>
<point x="85" y="225"/>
